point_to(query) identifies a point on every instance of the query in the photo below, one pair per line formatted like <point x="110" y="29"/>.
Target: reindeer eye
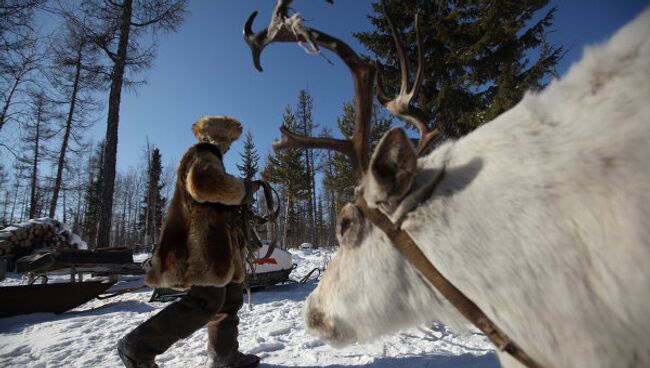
<point x="349" y="227"/>
<point x="345" y="225"/>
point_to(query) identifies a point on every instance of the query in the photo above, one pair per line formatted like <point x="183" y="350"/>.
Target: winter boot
<point x="223" y="347"/>
<point x="235" y="360"/>
<point x="129" y="362"/>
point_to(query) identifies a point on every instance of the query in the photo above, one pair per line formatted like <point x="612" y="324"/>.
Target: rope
<point x="307" y="277"/>
<point x="120" y="292"/>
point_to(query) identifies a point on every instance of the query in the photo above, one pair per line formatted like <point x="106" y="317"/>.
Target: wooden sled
<point x="48" y="298"/>
<point x="61" y="297"/>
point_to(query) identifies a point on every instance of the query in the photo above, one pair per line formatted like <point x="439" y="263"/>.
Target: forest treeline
<point x="480" y="57"/>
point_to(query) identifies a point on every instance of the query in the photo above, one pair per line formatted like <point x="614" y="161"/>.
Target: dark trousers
<point x="216" y="307"/>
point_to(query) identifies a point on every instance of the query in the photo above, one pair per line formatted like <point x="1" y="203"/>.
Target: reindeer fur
<point x="198" y="244"/>
<point x="542" y="219"/>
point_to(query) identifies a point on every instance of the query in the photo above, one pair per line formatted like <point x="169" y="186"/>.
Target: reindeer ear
<point x="392" y="169"/>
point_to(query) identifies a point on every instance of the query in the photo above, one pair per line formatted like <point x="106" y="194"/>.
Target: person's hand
<point x="251" y="187"/>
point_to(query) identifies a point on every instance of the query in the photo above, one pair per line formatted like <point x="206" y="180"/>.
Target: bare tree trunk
<point x="15" y="197"/>
<point x="24" y="208"/>
<point x="285" y="229"/>
<point x="4" y="206"/>
<point x="129" y="216"/>
<point x="123" y="232"/>
<point x="312" y="188"/>
<point x="66" y="135"/>
<point x="147" y="208"/>
<point x="5" y="108"/>
<point x="331" y="195"/>
<point x="65" y="218"/>
<point x="79" y="215"/>
<point x="32" y="205"/>
<point x="113" y="120"/>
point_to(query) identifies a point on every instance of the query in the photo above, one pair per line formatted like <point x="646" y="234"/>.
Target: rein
<point x="270" y="217"/>
<point x="407" y="247"/>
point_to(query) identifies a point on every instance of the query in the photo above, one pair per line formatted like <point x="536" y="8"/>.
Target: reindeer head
<point x="218" y="130"/>
<point x="369" y="288"/>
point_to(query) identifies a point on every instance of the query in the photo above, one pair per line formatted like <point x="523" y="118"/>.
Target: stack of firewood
<point x="22" y="238"/>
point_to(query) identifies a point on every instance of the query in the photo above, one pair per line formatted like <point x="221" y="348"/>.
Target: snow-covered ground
<point x="273" y="329"/>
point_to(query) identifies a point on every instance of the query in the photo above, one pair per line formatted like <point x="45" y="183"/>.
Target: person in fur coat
<point x="200" y="248"/>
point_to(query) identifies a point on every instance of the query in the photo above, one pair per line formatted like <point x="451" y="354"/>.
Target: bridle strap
<point x="407" y="247"/>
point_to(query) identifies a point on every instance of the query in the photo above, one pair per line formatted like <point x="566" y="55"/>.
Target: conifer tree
<point x="286" y="168"/>
<point x="150" y="220"/>
<point x="306" y="127"/>
<point x="249" y="158"/>
<point x="340" y="178"/>
<point x="328" y="192"/>
<point x="480" y="56"/>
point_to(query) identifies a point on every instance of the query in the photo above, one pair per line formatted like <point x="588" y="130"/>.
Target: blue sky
<point x="205" y="68"/>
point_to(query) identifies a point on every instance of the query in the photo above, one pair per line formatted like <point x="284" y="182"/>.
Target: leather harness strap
<point x="407" y="247"/>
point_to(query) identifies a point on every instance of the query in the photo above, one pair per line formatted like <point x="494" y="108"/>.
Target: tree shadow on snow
<point x="437" y="361"/>
<point x="118" y="306"/>
<point x="18" y="323"/>
<point x="296" y="292"/>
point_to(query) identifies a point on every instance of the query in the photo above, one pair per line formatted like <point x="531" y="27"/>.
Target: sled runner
<point x="48" y="298"/>
<point x="104" y="261"/>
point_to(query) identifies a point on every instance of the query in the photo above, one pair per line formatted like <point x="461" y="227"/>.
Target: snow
<point x="86" y="336"/>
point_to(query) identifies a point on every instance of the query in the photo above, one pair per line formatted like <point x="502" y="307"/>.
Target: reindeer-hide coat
<point x="200" y="241"/>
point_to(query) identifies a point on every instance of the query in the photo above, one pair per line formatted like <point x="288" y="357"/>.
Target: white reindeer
<point x="541" y="217"/>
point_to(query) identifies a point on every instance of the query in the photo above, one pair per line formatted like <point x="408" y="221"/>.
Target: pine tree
<point x="306" y="127"/>
<point x="476" y="56"/>
<point x="93" y="197"/>
<point x="328" y="193"/>
<point x="320" y="221"/>
<point x="250" y="158"/>
<point x="150" y="220"/>
<point x="286" y="168"/>
<point x="340" y="176"/>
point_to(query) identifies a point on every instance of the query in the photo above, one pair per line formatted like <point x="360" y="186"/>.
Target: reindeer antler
<point x="400" y="106"/>
<point x="291" y="29"/>
<point x="258" y="40"/>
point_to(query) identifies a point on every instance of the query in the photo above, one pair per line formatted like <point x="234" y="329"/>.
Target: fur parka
<point x="202" y="241"/>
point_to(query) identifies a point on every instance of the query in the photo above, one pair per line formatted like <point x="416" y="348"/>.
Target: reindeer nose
<point x="315" y="319"/>
<point x="314" y="316"/>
